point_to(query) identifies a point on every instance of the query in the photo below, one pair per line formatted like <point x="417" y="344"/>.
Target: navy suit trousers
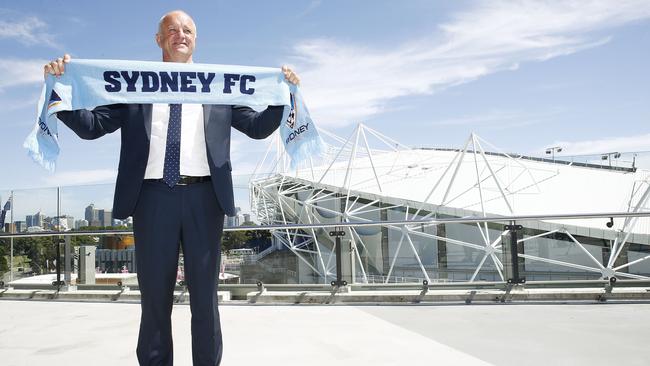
<point x="165" y="220"/>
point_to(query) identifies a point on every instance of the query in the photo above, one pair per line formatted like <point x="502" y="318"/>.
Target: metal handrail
<point x="459" y="220"/>
<point x="555" y="284"/>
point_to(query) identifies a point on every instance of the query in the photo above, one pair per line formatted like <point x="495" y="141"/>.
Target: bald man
<point x="174" y="178"/>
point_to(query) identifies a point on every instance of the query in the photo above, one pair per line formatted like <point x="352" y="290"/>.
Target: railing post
<point x="337" y="234"/>
<point x="58" y="281"/>
<point x="67" y="257"/>
<point x="11" y="260"/>
<point x="510" y="253"/>
<point x="86" y="273"/>
<point x="13" y="230"/>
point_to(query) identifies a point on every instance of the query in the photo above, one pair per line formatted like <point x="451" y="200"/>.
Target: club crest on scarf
<point x="55" y="100"/>
<point x="293" y="113"/>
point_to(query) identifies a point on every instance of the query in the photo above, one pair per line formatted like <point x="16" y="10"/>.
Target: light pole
<point x="552" y="150"/>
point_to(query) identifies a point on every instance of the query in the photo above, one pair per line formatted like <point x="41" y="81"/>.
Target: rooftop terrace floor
<point x="78" y="333"/>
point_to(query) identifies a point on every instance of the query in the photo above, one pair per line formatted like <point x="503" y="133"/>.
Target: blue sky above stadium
<point x="523" y="75"/>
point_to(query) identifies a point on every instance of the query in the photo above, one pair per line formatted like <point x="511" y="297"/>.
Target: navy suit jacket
<point x="135" y="122"/>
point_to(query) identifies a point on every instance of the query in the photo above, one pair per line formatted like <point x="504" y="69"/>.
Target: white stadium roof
<point x="472" y="181"/>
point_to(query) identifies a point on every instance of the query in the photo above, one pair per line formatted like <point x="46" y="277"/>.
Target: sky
<point x="523" y="75"/>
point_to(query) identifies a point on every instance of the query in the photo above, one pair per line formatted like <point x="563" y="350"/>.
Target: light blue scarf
<point x="87" y="84"/>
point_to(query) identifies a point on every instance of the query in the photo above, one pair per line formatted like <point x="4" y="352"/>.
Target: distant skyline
<point x="74" y="200"/>
<point x="523" y="75"/>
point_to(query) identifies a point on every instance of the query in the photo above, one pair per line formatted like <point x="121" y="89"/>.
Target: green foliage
<point x="258" y="234"/>
<point x="245" y="239"/>
<point x="89" y="239"/>
<point x="233" y="240"/>
<point x="37" y="250"/>
<point x="4" y="251"/>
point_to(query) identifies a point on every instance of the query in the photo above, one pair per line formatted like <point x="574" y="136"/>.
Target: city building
<point x="105" y="217"/>
<point x="92" y="215"/>
<point x="36" y="220"/>
<point x="9" y="228"/>
<point x="63" y="222"/>
<point x="70" y="221"/>
<point x="115" y="260"/>
<point x="230" y="221"/>
<point x="80" y="223"/>
<point x="21" y="226"/>
<point x="98" y="216"/>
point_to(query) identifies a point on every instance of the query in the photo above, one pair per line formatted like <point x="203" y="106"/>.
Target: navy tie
<point x="172" y="169"/>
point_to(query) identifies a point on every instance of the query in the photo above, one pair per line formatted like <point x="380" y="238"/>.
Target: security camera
<point x="610" y="223"/>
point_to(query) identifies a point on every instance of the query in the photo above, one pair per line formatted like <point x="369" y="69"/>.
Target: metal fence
<point x="516" y="254"/>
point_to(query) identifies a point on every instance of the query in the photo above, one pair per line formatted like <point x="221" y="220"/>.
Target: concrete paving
<point x="74" y="333"/>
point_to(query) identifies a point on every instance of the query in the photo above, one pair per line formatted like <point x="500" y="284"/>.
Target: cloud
<point x="28" y="31"/>
<point x="79" y="177"/>
<point x="498" y="119"/>
<point x="313" y="5"/>
<point x="346" y="82"/>
<point x="15" y="103"/>
<point x="15" y="72"/>
<point x="481" y="118"/>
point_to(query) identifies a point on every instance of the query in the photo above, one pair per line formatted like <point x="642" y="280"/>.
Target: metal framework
<point x="350" y="185"/>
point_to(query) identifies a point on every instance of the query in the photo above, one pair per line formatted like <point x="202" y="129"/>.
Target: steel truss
<point x="307" y="195"/>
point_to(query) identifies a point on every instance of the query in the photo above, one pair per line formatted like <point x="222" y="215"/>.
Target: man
<point x="174" y="178"/>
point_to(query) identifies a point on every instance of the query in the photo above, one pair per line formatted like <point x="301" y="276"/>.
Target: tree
<point x="233" y="240"/>
<point x="4" y="266"/>
<point x="257" y="238"/>
<point x="38" y="251"/>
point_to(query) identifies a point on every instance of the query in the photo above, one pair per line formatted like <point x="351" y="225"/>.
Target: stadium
<point x="370" y="177"/>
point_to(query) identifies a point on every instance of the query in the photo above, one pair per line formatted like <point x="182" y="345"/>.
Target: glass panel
<point x="32" y="210"/>
<point x="6" y="227"/>
<point x="642" y="254"/>
<point x="446" y="252"/>
<point x="595" y="253"/>
<point x="89" y="206"/>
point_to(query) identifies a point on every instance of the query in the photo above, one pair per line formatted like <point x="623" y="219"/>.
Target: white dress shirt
<point x="194" y="158"/>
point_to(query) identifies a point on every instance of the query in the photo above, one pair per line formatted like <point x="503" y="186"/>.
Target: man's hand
<point x="290" y="75"/>
<point x="56" y="67"/>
